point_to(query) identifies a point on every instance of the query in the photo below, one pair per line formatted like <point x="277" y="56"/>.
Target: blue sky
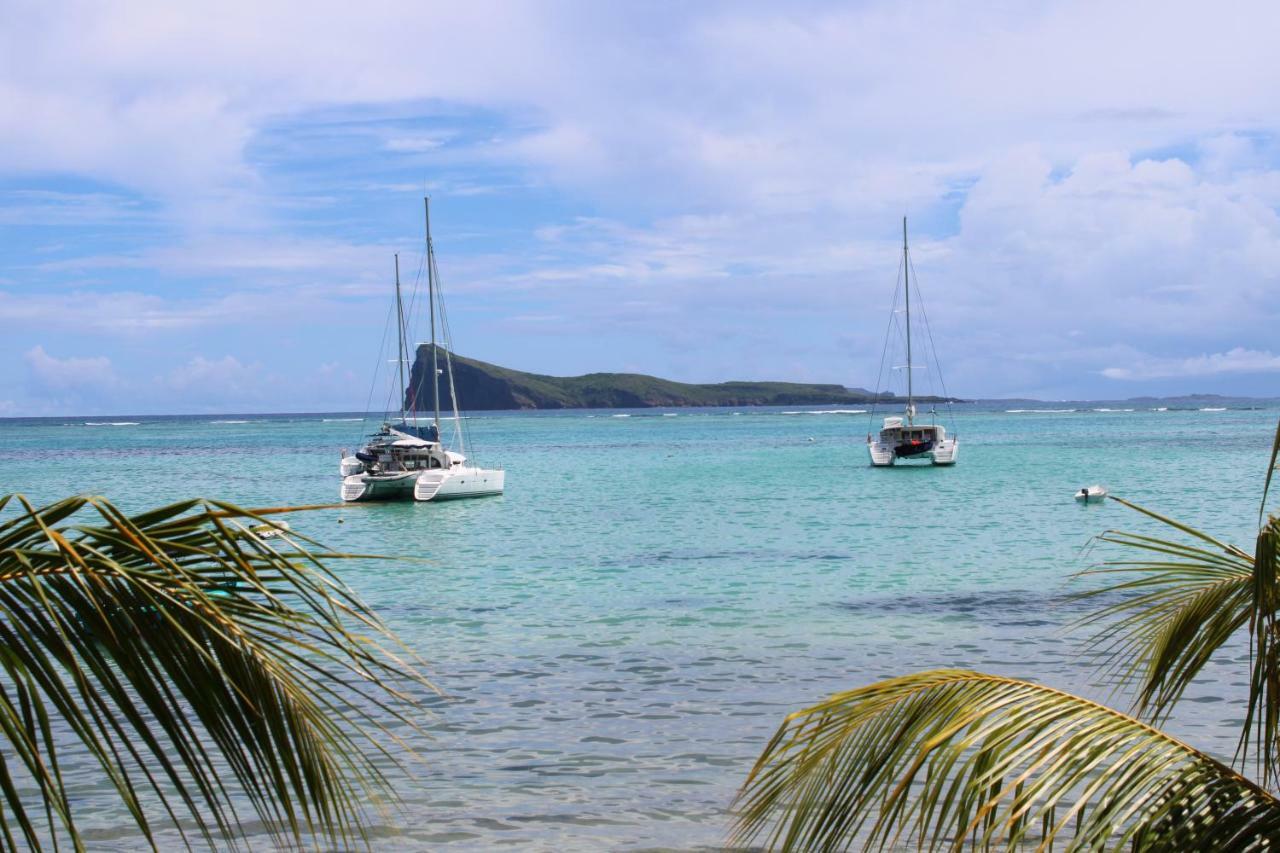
<point x="199" y="212"/>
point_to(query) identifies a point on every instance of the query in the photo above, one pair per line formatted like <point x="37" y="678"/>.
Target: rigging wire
<point x="951" y="415"/>
<point x="373" y="384"/>
<point x="461" y="432"/>
<point x="414" y="305"/>
<point x="893" y="317"/>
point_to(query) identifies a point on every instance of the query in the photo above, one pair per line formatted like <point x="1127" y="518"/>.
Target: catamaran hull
<point x="459" y="482"/>
<point x="367" y="487"/>
<point x="946" y="453"/>
<point x="943" y="453"/>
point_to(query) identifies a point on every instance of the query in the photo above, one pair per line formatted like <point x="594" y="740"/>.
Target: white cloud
<point x="51" y="375"/>
<point x="126" y="314"/>
<point x="86" y="385"/>
<point x="748" y="103"/>
<point x="745" y="165"/>
<point x="1238" y="360"/>
<point x="224" y="378"/>
<point x="416" y="143"/>
<point x="229" y="254"/>
<point x="56" y="208"/>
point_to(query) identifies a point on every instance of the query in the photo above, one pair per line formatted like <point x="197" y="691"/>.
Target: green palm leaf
<point x="1271" y="469"/>
<point x="1179" y="603"/>
<point x="951" y="758"/>
<point x="199" y="666"/>
<point x="1262" y="722"/>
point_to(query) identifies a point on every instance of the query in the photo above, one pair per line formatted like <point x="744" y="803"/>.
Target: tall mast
<point x="400" y="336"/>
<point x="431" y="301"/>
<point x="906" y="272"/>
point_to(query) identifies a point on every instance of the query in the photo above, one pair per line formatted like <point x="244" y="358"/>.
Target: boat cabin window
<point x="918" y="434"/>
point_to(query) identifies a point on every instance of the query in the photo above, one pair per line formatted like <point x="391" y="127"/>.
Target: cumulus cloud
<point x="59" y="375"/>
<point x="1098" y="173"/>
<point x="1115" y="234"/>
<point x="87" y="385"/>
<point x="751" y="103"/>
<point x="224" y="378"/>
<point x="1238" y="360"/>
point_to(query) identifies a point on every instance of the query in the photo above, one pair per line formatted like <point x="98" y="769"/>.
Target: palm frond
<point x="1271" y="469"/>
<point x="1262" y="722"/>
<point x="952" y="758"/>
<point x="1178" y="605"/>
<point x="198" y="665"/>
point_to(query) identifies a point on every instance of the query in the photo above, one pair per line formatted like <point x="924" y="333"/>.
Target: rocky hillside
<point x="487" y="386"/>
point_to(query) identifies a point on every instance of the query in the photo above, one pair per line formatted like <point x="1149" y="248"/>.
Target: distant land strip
<point x="481" y="386"/>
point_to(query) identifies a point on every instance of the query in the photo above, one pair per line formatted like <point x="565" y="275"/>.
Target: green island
<point x="482" y="386"/>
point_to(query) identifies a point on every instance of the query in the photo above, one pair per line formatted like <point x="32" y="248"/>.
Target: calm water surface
<point x="619" y="634"/>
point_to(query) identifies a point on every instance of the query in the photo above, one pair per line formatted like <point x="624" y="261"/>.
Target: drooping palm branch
<point x="952" y="758"/>
<point x="1271" y="470"/>
<point x="200" y="666"/>
<point x="1181" y="601"/>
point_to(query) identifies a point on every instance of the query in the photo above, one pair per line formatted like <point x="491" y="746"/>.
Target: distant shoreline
<point x="994" y="405"/>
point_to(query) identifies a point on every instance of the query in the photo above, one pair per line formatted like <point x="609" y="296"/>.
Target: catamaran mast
<point x="400" y="359"/>
<point x="906" y="272"/>
<point x="431" y="301"/>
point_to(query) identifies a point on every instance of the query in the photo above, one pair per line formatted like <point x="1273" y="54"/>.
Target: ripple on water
<point x="618" y="636"/>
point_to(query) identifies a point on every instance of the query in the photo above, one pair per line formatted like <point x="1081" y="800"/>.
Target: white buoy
<point x="1091" y="494"/>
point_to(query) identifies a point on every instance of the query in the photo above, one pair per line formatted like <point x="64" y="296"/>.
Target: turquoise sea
<point x="619" y="635"/>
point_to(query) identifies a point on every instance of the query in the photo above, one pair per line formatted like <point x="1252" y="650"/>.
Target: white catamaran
<point x="406" y="459"/>
<point x="902" y="438"/>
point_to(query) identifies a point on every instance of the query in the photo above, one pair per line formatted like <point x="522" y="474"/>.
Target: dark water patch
<point x="680" y="556"/>
<point x="574" y="819"/>
<point x="746" y="555"/>
<point x="997" y="604"/>
<point x="448" y="837"/>
<point x="435" y="612"/>
<point x="519" y="673"/>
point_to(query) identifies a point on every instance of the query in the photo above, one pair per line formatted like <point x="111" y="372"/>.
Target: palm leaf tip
<point x="1180" y="601"/>
<point x="943" y="756"/>
<point x="196" y="663"/>
<point x="1271" y="469"/>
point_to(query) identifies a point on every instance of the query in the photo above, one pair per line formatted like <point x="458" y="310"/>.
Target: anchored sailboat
<point x="902" y="439"/>
<point x="407" y="459"/>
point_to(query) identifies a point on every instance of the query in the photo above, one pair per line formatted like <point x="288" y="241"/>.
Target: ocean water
<point x="618" y="636"/>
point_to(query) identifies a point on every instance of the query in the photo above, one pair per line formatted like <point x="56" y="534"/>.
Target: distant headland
<point x="481" y="387"/>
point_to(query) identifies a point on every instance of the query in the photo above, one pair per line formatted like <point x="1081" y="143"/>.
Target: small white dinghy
<point x="270" y="529"/>
<point x="1091" y="495"/>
